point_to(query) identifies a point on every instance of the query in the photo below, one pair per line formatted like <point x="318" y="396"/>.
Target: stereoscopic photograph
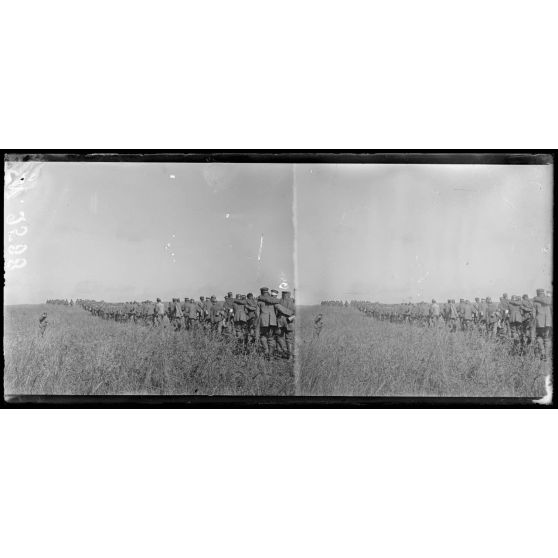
<point x="372" y="279"/>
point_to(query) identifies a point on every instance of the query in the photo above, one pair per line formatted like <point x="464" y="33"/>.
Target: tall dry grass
<point x="82" y="354"/>
<point x="358" y="355"/>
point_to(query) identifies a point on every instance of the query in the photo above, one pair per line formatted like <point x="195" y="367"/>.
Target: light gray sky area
<point x="126" y="231"/>
<point x="392" y="233"/>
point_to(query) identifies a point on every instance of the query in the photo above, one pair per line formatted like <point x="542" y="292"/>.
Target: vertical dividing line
<point x="296" y="362"/>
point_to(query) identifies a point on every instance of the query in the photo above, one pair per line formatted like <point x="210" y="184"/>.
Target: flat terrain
<point x="358" y="355"/>
<point x="81" y="354"/>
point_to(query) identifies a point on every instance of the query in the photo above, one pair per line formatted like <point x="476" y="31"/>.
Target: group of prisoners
<point x="527" y="322"/>
<point x="265" y="321"/>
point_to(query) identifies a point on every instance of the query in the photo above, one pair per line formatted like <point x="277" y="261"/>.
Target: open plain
<point x="356" y="355"/>
<point x="81" y="354"/>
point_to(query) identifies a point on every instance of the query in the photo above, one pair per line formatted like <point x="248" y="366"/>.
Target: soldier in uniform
<point x="184" y="307"/>
<point x="504" y="310"/>
<point x="407" y="314"/>
<point x="285" y="327"/>
<point x="192" y="314"/>
<point x="276" y="331"/>
<point x="452" y="315"/>
<point x="216" y="315"/>
<point x="240" y="318"/>
<point x="528" y="326"/>
<point x="434" y="314"/>
<point x="268" y="321"/>
<point x="318" y="325"/>
<point x="482" y="315"/>
<point x="43" y="323"/>
<point x="476" y="310"/>
<point x="492" y="317"/>
<point x="467" y="316"/>
<point x="177" y="315"/>
<point x="207" y="312"/>
<point x="460" y="308"/>
<point x="158" y="313"/>
<point x="253" y="317"/>
<point x="149" y="313"/>
<point x="516" y="322"/>
<point x="228" y="313"/>
<point x="201" y="314"/>
<point x="543" y="321"/>
<point x="132" y="313"/>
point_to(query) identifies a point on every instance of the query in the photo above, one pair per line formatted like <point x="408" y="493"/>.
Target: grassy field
<point x="357" y="355"/>
<point x="82" y="354"/>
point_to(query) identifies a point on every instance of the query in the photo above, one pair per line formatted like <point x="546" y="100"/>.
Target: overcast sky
<point x="394" y="233"/>
<point x="127" y="231"/>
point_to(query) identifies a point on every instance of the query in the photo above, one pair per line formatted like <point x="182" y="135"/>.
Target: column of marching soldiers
<point x="61" y="301"/>
<point x="266" y="321"/>
<point x="527" y="322"/>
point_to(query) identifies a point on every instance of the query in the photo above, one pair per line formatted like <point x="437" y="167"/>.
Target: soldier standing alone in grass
<point x="43" y="322"/>
<point x="318" y="325"/>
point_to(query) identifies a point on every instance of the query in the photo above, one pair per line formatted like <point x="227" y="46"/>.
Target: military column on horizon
<point x="526" y="322"/>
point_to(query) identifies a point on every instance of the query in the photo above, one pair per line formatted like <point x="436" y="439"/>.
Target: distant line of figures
<point x="334" y="303"/>
<point x="267" y="319"/>
<point x="62" y="301"/>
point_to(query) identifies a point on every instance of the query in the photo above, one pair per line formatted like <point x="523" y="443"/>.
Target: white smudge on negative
<point x="283" y="283"/>
<point x="547" y="399"/>
<point x="172" y="176"/>
<point x="260" y="250"/>
<point x="21" y="172"/>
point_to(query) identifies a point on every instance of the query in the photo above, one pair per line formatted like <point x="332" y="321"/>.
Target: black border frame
<point x="399" y="156"/>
